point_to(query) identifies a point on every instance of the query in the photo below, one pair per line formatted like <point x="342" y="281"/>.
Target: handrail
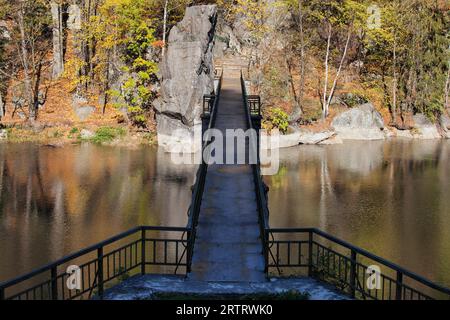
<point x="263" y="211"/>
<point x="53" y="267"/>
<point x="364" y="253"/>
<point x="198" y="189"/>
<point x="86" y="251"/>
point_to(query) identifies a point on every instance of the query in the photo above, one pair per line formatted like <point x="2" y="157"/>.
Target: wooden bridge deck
<point x="228" y="247"/>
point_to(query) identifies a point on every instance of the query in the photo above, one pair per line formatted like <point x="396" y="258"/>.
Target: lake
<point x="391" y="198"/>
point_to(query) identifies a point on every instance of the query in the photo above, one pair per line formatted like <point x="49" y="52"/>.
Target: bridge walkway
<point x="227" y="246"/>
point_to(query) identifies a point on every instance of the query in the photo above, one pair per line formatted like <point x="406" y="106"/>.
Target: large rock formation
<point x="424" y="128"/>
<point x="445" y="125"/>
<point x="360" y="123"/>
<point x="187" y="74"/>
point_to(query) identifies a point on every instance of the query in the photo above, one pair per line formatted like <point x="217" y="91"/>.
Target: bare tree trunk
<point x="302" y="56"/>
<point x="58" y="40"/>
<point x="26" y="68"/>
<point x="106" y="86"/>
<point x="325" y="86"/>
<point x="166" y="5"/>
<point x="394" y="85"/>
<point x="344" y="55"/>
<point x="447" y="89"/>
<point x="297" y="111"/>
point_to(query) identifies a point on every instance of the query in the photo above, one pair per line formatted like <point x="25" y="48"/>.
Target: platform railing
<point x="89" y="272"/>
<point x="353" y="270"/>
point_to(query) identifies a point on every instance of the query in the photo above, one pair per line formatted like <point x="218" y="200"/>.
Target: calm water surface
<point x="56" y="201"/>
<point x="391" y="198"/>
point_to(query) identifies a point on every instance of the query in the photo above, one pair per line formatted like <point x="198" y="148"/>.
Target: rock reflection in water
<point x="392" y="198"/>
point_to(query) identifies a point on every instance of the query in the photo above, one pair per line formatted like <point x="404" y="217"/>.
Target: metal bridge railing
<point x="209" y="115"/>
<point x="347" y="267"/>
<point x="140" y="250"/>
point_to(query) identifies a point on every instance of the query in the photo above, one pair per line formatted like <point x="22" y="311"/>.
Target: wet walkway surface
<point x="228" y="245"/>
<point x="149" y="287"/>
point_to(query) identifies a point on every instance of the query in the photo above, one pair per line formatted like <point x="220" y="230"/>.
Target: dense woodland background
<point x="310" y="58"/>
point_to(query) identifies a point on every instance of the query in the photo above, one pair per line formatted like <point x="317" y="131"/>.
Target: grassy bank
<point x="61" y="135"/>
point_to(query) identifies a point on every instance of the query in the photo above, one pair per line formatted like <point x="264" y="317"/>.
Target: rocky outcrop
<point x="302" y="136"/>
<point x="81" y="108"/>
<point x="360" y="123"/>
<point x="308" y="137"/>
<point x="187" y="74"/>
<point x="445" y="125"/>
<point x="424" y="128"/>
<point x="226" y="40"/>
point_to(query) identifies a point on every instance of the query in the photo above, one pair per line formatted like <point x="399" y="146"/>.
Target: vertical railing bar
<point x="353" y="274"/>
<point x="289" y="253"/>
<point x="120" y="260"/>
<point x="54" y="282"/>
<point x="143" y="258"/>
<point x="63" y="289"/>
<point x="108" y="274"/>
<point x="310" y="253"/>
<point x="136" y="259"/>
<point x="278" y="253"/>
<point x="114" y="265"/>
<point x="399" y="285"/>
<point x="176" y="242"/>
<point x="165" y="251"/>
<point x="100" y="271"/>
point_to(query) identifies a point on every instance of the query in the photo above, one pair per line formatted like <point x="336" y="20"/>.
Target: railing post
<point x="310" y="254"/>
<point x="353" y="274"/>
<point x="54" y="282"/>
<point x="399" y="286"/>
<point x="143" y="259"/>
<point x="189" y="252"/>
<point x="266" y="250"/>
<point x="100" y="272"/>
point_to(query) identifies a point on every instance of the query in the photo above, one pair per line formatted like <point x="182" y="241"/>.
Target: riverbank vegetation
<point x="78" y="63"/>
<point x="310" y="56"/>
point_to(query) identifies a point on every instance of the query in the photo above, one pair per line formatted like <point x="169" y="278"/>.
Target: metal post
<point x="399" y="286"/>
<point x="143" y="259"/>
<point x="310" y="254"/>
<point x="266" y="250"/>
<point x="54" y="281"/>
<point x="189" y="252"/>
<point x="100" y="272"/>
<point x="353" y="274"/>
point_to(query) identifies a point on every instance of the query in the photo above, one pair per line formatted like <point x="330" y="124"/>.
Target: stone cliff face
<point x="187" y="73"/>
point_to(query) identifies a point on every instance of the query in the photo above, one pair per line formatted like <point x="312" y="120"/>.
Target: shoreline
<point x="124" y="136"/>
<point x="61" y="135"/>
